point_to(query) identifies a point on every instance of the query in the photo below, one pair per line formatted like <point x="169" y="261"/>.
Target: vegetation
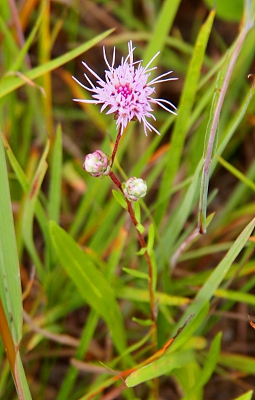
<point x="102" y="297"/>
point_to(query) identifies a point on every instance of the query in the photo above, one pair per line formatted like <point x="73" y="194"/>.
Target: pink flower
<point x="126" y="91"/>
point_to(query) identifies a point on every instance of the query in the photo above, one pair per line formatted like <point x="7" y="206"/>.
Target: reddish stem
<point x="143" y="245"/>
<point x="116" y="146"/>
<point x="147" y="257"/>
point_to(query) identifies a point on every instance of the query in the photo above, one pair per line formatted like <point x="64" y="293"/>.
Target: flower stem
<point x="153" y="308"/>
<point x="116" y="146"/>
<point x="147" y="257"/>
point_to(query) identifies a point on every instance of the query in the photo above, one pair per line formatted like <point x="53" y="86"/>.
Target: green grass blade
<point x="92" y="285"/>
<point x="238" y="174"/>
<point x="215" y="279"/>
<point x="237" y="296"/>
<point x="184" y="111"/>
<point x="187" y="376"/>
<point x="241" y="363"/>
<point x="194" y="323"/>
<point x="9" y="40"/>
<point x="172" y="359"/>
<point x="24" y="392"/>
<point x="208" y="368"/>
<point x="136" y="274"/>
<point x="8" y="84"/>
<point x="176" y="223"/>
<point x="29" y="210"/>
<point x="245" y="396"/>
<point x="56" y="178"/>
<point x="87" y="335"/>
<point x="219" y="273"/>
<point x="10" y="287"/>
<point x="134" y="294"/>
<point x="23" y="181"/>
<point x="227" y="135"/>
<point x="162" y="27"/>
<point x="160" y="367"/>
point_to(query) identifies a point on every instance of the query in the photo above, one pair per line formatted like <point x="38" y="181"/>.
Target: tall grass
<point x="76" y="308"/>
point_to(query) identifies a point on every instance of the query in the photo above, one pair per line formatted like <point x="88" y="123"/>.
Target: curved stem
<point x="146" y="254"/>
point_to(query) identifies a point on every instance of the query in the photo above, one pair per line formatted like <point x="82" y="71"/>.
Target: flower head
<point x="127" y="91"/>
<point x="97" y="164"/>
<point x="134" y="188"/>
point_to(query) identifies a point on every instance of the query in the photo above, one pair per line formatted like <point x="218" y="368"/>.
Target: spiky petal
<point x="126" y="91"/>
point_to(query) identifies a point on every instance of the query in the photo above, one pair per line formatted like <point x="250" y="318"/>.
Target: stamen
<point x="105" y="58"/>
<point x="92" y="72"/>
<point x="149" y="63"/>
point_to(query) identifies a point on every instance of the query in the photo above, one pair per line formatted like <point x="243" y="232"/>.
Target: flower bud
<point x="97" y="164"/>
<point x="134" y="188"/>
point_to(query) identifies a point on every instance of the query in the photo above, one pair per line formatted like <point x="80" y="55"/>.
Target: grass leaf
<point x="171" y="360"/>
<point x="56" y="175"/>
<point x="8" y="84"/>
<point x="10" y="286"/>
<point x="29" y="211"/>
<point x="184" y="110"/>
<point x="217" y="276"/>
<point x="208" y="367"/>
<point x="90" y="282"/>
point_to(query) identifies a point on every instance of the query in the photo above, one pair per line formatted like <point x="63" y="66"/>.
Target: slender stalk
<point x="153" y="310"/>
<point x="116" y="146"/>
<point x="143" y="245"/>
<point x="190" y="239"/>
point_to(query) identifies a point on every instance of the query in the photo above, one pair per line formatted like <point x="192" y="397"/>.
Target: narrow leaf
<point x="131" y="293"/>
<point x="93" y="286"/>
<point x="162" y="27"/>
<point x="151" y="237"/>
<point x="208" y="368"/>
<point x="143" y="322"/>
<point x="218" y="275"/>
<point x="8" y="84"/>
<point x="137" y="211"/>
<point x="142" y="251"/>
<point x="160" y="367"/>
<point x="120" y="199"/>
<point x="245" y="396"/>
<point x="10" y="287"/>
<point x="29" y="210"/>
<point x="136" y="274"/>
<point x="23" y="181"/>
<point x="184" y="110"/>
<point x="55" y="182"/>
<point x="238" y="174"/>
<point x="140" y="228"/>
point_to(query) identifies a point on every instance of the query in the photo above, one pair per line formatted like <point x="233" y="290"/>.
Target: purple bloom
<point x="126" y="91"/>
